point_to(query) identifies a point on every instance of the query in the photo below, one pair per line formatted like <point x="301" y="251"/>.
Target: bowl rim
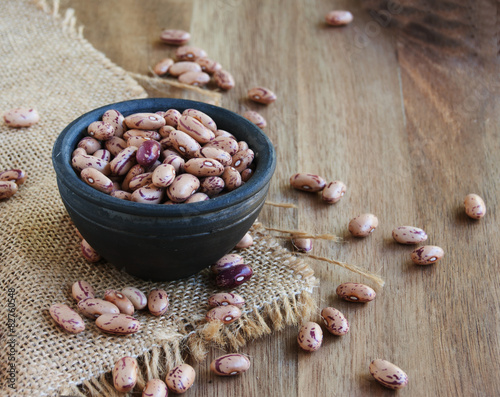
<point x="65" y="173"/>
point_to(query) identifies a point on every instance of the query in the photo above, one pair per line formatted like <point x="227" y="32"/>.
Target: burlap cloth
<point x="45" y="63"/>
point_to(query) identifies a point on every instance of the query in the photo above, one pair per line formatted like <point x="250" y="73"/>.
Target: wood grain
<point x="402" y="105"/>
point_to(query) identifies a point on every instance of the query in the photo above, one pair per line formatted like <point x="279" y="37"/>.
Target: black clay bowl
<point x="163" y="242"/>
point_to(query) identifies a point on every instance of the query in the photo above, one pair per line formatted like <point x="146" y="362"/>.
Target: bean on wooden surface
<point x="474" y="206"/>
<point x="158" y="302"/>
<point x="88" y="252"/>
<point x="234" y="276"/>
<point x="175" y="36"/>
<point x="335" y="321"/>
<point x="125" y="374"/>
<point x="333" y="192"/>
<point x="82" y="290"/>
<point x="310" y="336"/>
<point x="67" y="318"/>
<point x="136" y="296"/>
<point x="179" y="68"/>
<point x="162" y="67"/>
<point x="303" y="244"/>
<point x="338" y="18"/>
<point x="230" y="364"/>
<point x="21" y="117"/>
<point x="261" y="95"/>
<point x="409" y="235"/>
<point x="120" y="301"/>
<point x="227" y="314"/>
<point x="226" y="262"/>
<point x="208" y="65"/>
<point x="180" y="379"/>
<point x="189" y="53"/>
<point x="95" y="307"/>
<point x="224" y="79"/>
<point x="245" y="242"/>
<point x="355" y="292"/>
<point x="155" y="388"/>
<point x="307" y="182"/>
<point x="388" y="374"/>
<point x="118" y="324"/>
<point x="255" y="118"/>
<point x="194" y="78"/>
<point x="363" y="224"/>
<point x="427" y="255"/>
<point x="225" y="299"/>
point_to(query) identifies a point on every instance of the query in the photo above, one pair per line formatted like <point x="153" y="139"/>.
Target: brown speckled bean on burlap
<point x="46" y="64"/>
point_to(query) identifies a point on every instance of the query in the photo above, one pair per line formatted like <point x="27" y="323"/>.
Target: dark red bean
<point x="234" y="276"/>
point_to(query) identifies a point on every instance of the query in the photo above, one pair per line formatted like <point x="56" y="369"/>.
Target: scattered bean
<point x="255" y="118"/>
<point x="120" y="301"/>
<point x="225" y="299"/>
<point x="88" y="252"/>
<point x="387" y="374"/>
<point x="136" y="296"/>
<point x="310" y="337"/>
<point x="307" y="182"/>
<point x="155" y="388"/>
<point x="333" y="192"/>
<point x="118" y="324"/>
<point x="179" y="68"/>
<point x="7" y="189"/>
<point x="21" y="117"/>
<point x="224" y="79"/>
<point x="82" y="290"/>
<point x="335" y="321"/>
<point x="14" y="175"/>
<point x="245" y="242"/>
<point x="227" y="314"/>
<point x="363" y="225"/>
<point x="95" y="307"/>
<point x="162" y="67"/>
<point x="208" y="65"/>
<point x="262" y="95"/>
<point x="303" y="244"/>
<point x="189" y="53"/>
<point x="338" y="18"/>
<point x="234" y="276"/>
<point x="157" y="302"/>
<point x="180" y="379"/>
<point x="125" y="374"/>
<point x="67" y="318"/>
<point x="355" y="292"/>
<point x="230" y="364"/>
<point x="474" y="206"/>
<point x="194" y="78"/>
<point x="427" y="255"/>
<point x="175" y="36"/>
<point x="226" y="262"/>
<point x="409" y="235"/>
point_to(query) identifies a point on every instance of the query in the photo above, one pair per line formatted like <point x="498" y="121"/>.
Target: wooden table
<point x="402" y="105"/>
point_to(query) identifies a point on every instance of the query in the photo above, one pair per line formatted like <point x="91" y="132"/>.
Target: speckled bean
<point x="165" y="131"/>
<point x="220" y="132"/>
<point x="243" y="159"/>
<point x="123" y="161"/>
<point x="120" y="301"/>
<point x="197" y="197"/>
<point x="208" y="65"/>
<point x="162" y="67"/>
<point x="157" y="302"/>
<point x="194" y="78"/>
<point x="103" y="154"/>
<point x="225" y="299"/>
<point x="142" y="133"/>
<point x="172" y="117"/>
<point x="118" y="324"/>
<point x="195" y="129"/>
<point x="90" y="144"/>
<point x="333" y="192"/>
<point x="179" y="68"/>
<point x="88" y="252"/>
<point x="388" y="374"/>
<point x="230" y="364"/>
<point x="307" y="182"/>
<point x="155" y="388"/>
<point x="202" y="117"/>
<point x="227" y="314"/>
<point x="82" y="290"/>
<point x="189" y="53"/>
<point x="303" y="244"/>
<point x="427" y="255"/>
<point x="310" y="337"/>
<point x="144" y="121"/>
<point x="116" y="119"/>
<point x="175" y="36"/>
<point x="220" y="155"/>
<point x="7" y="189"/>
<point x="234" y="276"/>
<point x="137" y="140"/>
<point x="180" y="378"/>
<point x="203" y="167"/>
<point x="163" y="175"/>
<point x="338" y="18"/>
<point x="474" y="206"/>
<point x="227" y="261"/>
<point x="97" y="180"/>
<point x="136" y="296"/>
<point x="261" y="95"/>
<point x="82" y="161"/>
<point x="148" y="153"/>
<point x="121" y="194"/>
<point x="246" y="174"/>
<point x="115" y="145"/>
<point x="335" y="321"/>
<point x="185" y="144"/>
<point x="95" y="307"/>
<point x="363" y="224"/>
<point x="67" y="318"/>
<point x="21" y="117"/>
<point x="255" y="118"/>
<point x="182" y="187"/>
<point x="149" y="194"/>
<point x="231" y="178"/>
<point x="14" y="175"/>
<point x="409" y="235"/>
<point x="355" y="292"/>
<point x="125" y="374"/>
<point x="212" y="185"/>
<point x="175" y="161"/>
<point x="245" y="242"/>
<point x="140" y="180"/>
<point x="101" y="130"/>
<point x="224" y="80"/>
<point x="131" y="174"/>
<point x="225" y="143"/>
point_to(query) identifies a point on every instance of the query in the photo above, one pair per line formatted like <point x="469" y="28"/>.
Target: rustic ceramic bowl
<point x="163" y="242"/>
